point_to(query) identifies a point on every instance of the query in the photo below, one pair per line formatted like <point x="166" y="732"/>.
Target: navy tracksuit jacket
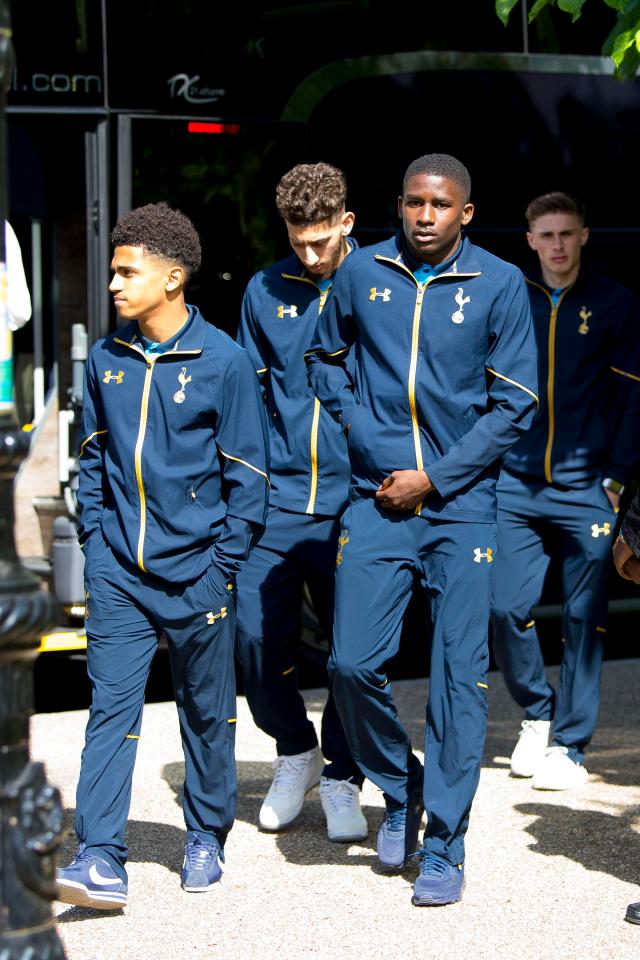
<point x="444" y="381"/>
<point x="551" y="498"/>
<point x="309" y="485"/>
<point x="173" y="491"/>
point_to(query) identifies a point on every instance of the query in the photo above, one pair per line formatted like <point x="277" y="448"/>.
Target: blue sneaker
<point x="439" y="882"/>
<point x="202" y="866"/>
<point x="90" y="881"/>
<point x="398" y="834"/>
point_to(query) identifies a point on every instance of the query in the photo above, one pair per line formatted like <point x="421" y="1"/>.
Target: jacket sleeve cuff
<point x="436" y="479"/>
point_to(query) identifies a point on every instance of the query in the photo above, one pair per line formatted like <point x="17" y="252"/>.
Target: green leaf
<point x="621" y="44"/>
<point x="504" y="8"/>
<point x="619" y="5"/>
<point x="537" y="7"/>
<point x="630" y="65"/>
<point x="574" y="7"/>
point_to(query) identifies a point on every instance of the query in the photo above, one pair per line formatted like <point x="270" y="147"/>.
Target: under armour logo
<point x="479" y="556"/>
<point x="584" y="316"/>
<point x="605" y="530"/>
<point x="108" y="376"/>
<point x="343" y="541"/>
<point x="461" y="300"/>
<point x="212" y="617"/>
<point x="384" y="295"/>
<point x="291" y="311"/>
<point x="179" y="395"/>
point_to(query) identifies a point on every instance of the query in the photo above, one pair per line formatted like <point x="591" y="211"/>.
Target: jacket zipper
<point x="144" y="409"/>
<point x="413" y="362"/>
<point x="315" y="420"/>
<point x="551" y="361"/>
<point x="137" y="456"/>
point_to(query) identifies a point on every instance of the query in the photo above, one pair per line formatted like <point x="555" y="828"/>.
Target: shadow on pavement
<point x="602" y="842"/>
<point x="305" y="842"/>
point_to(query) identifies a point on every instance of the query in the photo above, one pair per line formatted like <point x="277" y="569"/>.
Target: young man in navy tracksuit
<point x="309" y="484"/>
<point x="173" y="493"/>
<point x="559" y="492"/>
<point x="444" y="383"/>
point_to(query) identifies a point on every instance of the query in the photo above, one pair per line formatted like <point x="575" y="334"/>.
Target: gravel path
<point x="548" y="875"/>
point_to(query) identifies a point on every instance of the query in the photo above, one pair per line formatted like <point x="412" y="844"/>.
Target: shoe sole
<point x="552" y="789"/>
<point x="434" y="901"/>
<point x="200" y="889"/>
<point x="347" y="837"/>
<point x="294" y="817"/>
<point x="556" y="787"/>
<point x="79" y="896"/>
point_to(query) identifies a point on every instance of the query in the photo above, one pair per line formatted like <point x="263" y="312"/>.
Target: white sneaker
<point x="559" y="772"/>
<point x="340" y="801"/>
<point x="293" y="777"/>
<point x="531" y="747"/>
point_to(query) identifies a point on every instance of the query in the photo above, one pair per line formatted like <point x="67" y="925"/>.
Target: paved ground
<point x="548" y="875"/>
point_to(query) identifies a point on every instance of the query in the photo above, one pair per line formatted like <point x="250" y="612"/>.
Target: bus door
<point x="222" y="175"/>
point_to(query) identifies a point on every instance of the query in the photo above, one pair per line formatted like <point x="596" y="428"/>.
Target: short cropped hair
<point x="311" y="193"/>
<point x="162" y="232"/>
<point x="557" y="202"/>
<point x="440" y="165"/>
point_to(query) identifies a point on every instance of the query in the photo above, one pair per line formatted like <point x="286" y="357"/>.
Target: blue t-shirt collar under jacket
<point x="423" y="271"/>
<point x="464" y="260"/>
<point x="152" y="346"/>
<point x="189" y="339"/>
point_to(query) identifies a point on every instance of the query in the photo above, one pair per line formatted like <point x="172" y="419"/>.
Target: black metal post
<point x="30" y="809"/>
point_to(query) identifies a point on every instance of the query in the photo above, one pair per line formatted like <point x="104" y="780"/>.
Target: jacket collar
<point x="535" y="276"/>
<point x="464" y="260"/>
<point x="190" y="339"/>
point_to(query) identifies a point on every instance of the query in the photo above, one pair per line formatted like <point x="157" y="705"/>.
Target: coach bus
<point x="116" y="104"/>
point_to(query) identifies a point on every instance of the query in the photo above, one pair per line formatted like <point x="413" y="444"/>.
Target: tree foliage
<point x="622" y="44"/>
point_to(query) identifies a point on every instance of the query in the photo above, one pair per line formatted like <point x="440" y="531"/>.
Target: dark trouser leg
<point x="120" y="648"/>
<point x="587" y="538"/>
<point x="519" y="570"/>
<point x="269" y="607"/>
<point x="202" y="663"/>
<point x="320" y="549"/>
<point x="457" y="567"/>
<point x="373" y="587"/>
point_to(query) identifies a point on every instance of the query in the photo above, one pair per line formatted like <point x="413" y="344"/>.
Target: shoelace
<point x="529" y="725"/>
<point x="397" y="818"/>
<point x="341" y="795"/>
<point x="288" y="771"/>
<point x="430" y="865"/>
<point x="81" y="858"/>
<point x="197" y="853"/>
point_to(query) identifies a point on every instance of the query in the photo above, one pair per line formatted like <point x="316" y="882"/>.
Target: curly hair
<point x="162" y="232"/>
<point x="440" y="165"/>
<point x="311" y="193"/>
<point x="556" y="202"/>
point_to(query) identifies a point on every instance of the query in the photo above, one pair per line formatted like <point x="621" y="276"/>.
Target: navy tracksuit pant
<point x="296" y="548"/>
<point x="127" y="611"/>
<point x="383" y="554"/>
<point x="535" y="522"/>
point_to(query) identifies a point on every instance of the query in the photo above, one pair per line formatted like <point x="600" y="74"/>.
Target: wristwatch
<point x="614" y="485"/>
